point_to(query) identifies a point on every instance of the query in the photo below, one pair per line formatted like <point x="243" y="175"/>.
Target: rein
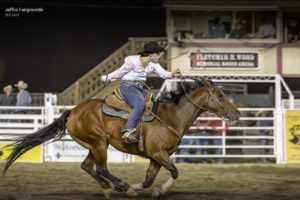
<point x="176" y="133"/>
<point x="209" y="96"/>
<point x="189" y="98"/>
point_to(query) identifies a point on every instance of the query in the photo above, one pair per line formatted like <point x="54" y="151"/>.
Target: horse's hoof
<point x="156" y="194"/>
<point x="131" y="192"/>
<point x="120" y="186"/>
<point x="137" y="186"/>
<point x="107" y="192"/>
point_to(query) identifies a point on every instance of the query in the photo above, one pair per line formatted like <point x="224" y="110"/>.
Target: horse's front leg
<point x="164" y="159"/>
<point x="152" y="172"/>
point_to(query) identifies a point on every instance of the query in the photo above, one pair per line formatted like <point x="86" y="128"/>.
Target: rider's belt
<point x="139" y="84"/>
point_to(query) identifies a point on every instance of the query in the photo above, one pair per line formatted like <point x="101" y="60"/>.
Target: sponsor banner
<point x="33" y="155"/>
<point x="224" y="60"/>
<point x="292" y="130"/>
<point x="70" y="151"/>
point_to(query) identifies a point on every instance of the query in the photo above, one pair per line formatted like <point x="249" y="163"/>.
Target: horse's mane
<point x="175" y="95"/>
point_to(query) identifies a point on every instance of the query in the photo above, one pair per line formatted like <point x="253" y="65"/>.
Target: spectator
<point x="179" y="38"/>
<point x="7" y="99"/>
<point x="239" y="30"/>
<point x="194" y="142"/>
<point x="293" y="30"/>
<point x="264" y="132"/>
<point x="193" y="150"/>
<point x="216" y="29"/>
<point x="23" y="96"/>
<point x="205" y="132"/>
<point x="215" y="125"/>
<point x="266" y="30"/>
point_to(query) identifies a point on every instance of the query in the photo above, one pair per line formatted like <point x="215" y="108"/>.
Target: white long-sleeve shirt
<point x="266" y="30"/>
<point x="132" y="70"/>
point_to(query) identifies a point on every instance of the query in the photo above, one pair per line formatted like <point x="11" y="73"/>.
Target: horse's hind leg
<point x="88" y="166"/>
<point x="100" y="155"/>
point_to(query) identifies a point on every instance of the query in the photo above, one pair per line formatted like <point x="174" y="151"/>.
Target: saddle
<point x="116" y="100"/>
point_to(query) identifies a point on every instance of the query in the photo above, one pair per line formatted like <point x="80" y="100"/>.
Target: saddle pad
<point x="123" y="114"/>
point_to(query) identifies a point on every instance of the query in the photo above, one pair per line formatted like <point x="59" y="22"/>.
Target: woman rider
<point x="134" y="72"/>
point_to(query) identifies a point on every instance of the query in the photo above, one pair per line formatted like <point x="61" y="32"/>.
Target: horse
<point x="94" y="130"/>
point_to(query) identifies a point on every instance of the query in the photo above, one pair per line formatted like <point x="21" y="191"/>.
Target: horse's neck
<point x="182" y="115"/>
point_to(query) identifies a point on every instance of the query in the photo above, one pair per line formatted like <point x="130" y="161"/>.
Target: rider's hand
<point x="176" y="73"/>
<point x="103" y="78"/>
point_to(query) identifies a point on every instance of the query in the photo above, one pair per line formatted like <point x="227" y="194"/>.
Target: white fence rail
<point x="20" y="121"/>
<point x="241" y="140"/>
<point x="246" y="139"/>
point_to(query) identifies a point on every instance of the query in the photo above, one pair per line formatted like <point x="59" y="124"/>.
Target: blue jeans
<point x="133" y="93"/>
<point x="218" y="150"/>
<point x="204" y="142"/>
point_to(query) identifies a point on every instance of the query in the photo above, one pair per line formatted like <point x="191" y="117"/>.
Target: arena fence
<point x="19" y="121"/>
<point x="239" y="145"/>
<point x="247" y="138"/>
<point x="239" y="140"/>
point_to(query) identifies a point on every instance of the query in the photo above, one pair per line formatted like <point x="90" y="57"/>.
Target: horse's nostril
<point x="238" y="114"/>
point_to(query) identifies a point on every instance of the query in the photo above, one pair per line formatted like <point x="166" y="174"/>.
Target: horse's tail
<point x="55" y="131"/>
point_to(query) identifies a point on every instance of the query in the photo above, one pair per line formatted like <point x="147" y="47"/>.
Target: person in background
<point x="179" y="38"/>
<point x="293" y="29"/>
<point x="264" y="132"/>
<point x="204" y="142"/>
<point x="266" y="30"/>
<point x="7" y="99"/>
<point x="23" y="96"/>
<point x="239" y="31"/>
<point x="216" y="29"/>
<point x="217" y="130"/>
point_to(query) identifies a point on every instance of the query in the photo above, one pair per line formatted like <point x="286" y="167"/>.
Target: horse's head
<point x="205" y="96"/>
<point x="217" y="102"/>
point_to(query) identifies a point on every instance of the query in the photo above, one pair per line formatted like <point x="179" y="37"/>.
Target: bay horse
<point x="94" y="130"/>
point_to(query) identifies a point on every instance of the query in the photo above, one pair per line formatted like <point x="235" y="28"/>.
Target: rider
<point x="134" y="72"/>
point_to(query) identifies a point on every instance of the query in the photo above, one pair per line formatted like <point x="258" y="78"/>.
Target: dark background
<point x="52" y="49"/>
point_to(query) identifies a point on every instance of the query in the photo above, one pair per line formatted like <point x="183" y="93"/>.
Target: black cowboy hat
<point x="152" y="47"/>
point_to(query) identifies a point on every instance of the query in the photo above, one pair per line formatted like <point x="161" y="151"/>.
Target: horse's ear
<point x="206" y="83"/>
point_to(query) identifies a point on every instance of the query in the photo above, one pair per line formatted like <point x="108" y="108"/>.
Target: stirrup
<point x="128" y="132"/>
<point x="128" y="136"/>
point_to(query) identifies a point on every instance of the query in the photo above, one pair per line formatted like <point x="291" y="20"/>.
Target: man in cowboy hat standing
<point x="7" y="99"/>
<point x="134" y="72"/>
<point x="23" y="96"/>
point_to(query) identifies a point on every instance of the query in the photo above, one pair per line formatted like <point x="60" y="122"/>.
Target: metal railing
<point x="16" y="122"/>
<point x="90" y="84"/>
<point x="241" y="140"/>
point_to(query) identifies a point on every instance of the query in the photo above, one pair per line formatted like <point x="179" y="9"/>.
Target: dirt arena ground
<point x="66" y="181"/>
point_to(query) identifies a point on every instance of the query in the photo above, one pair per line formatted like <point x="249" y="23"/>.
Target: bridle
<point x="210" y="95"/>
